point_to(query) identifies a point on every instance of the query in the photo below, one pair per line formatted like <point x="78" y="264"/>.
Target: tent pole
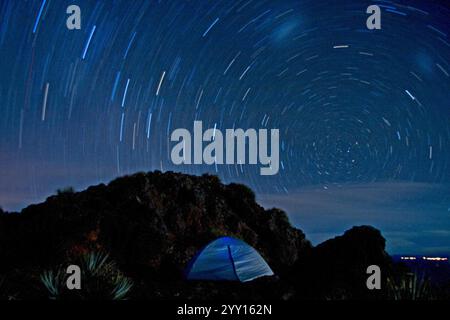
<point x="232" y="262"/>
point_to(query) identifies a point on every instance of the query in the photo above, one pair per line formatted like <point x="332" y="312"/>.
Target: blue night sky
<point x="364" y="115"/>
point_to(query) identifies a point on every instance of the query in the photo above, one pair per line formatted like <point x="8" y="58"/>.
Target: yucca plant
<point x="95" y="262"/>
<point x="54" y="282"/>
<point x="409" y="287"/>
<point x="100" y="280"/>
<point x="122" y="288"/>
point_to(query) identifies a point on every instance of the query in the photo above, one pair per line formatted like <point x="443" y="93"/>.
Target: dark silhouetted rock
<point x="152" y="224"/>
<point x="339" y="265"/>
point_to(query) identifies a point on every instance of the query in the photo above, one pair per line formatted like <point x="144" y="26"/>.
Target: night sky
<point x="364" y="115"/>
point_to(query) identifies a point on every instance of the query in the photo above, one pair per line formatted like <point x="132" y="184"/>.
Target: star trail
<point x="356" y="108"/>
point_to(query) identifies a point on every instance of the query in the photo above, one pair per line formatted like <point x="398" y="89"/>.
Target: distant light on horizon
<point x="425" y="258"/>
<point x="435" y="258"/>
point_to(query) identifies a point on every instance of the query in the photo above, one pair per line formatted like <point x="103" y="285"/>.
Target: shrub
<point x="409" y="287"/>
<point x="100" y="280"/>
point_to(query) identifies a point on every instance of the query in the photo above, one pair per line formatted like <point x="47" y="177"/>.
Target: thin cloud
<point x="410" y="215"/>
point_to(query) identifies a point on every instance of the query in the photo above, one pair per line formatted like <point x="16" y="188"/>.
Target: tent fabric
<point x="227" y="259"/>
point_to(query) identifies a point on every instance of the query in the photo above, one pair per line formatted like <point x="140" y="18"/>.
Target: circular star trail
<point x="352" y="105"/>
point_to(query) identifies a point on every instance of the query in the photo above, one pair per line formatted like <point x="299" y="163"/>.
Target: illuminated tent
<point x="227" y="259"/>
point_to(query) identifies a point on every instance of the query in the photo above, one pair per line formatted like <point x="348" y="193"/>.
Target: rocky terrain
<point x="152" y="224"/>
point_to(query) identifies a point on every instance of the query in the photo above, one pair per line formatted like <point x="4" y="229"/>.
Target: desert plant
<point x="54" y="282"/>
<point x="95" y="262"/>
<point x="122" y="288"/>
<point x="100" y="280"/>
<point x="409" y="287"/>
